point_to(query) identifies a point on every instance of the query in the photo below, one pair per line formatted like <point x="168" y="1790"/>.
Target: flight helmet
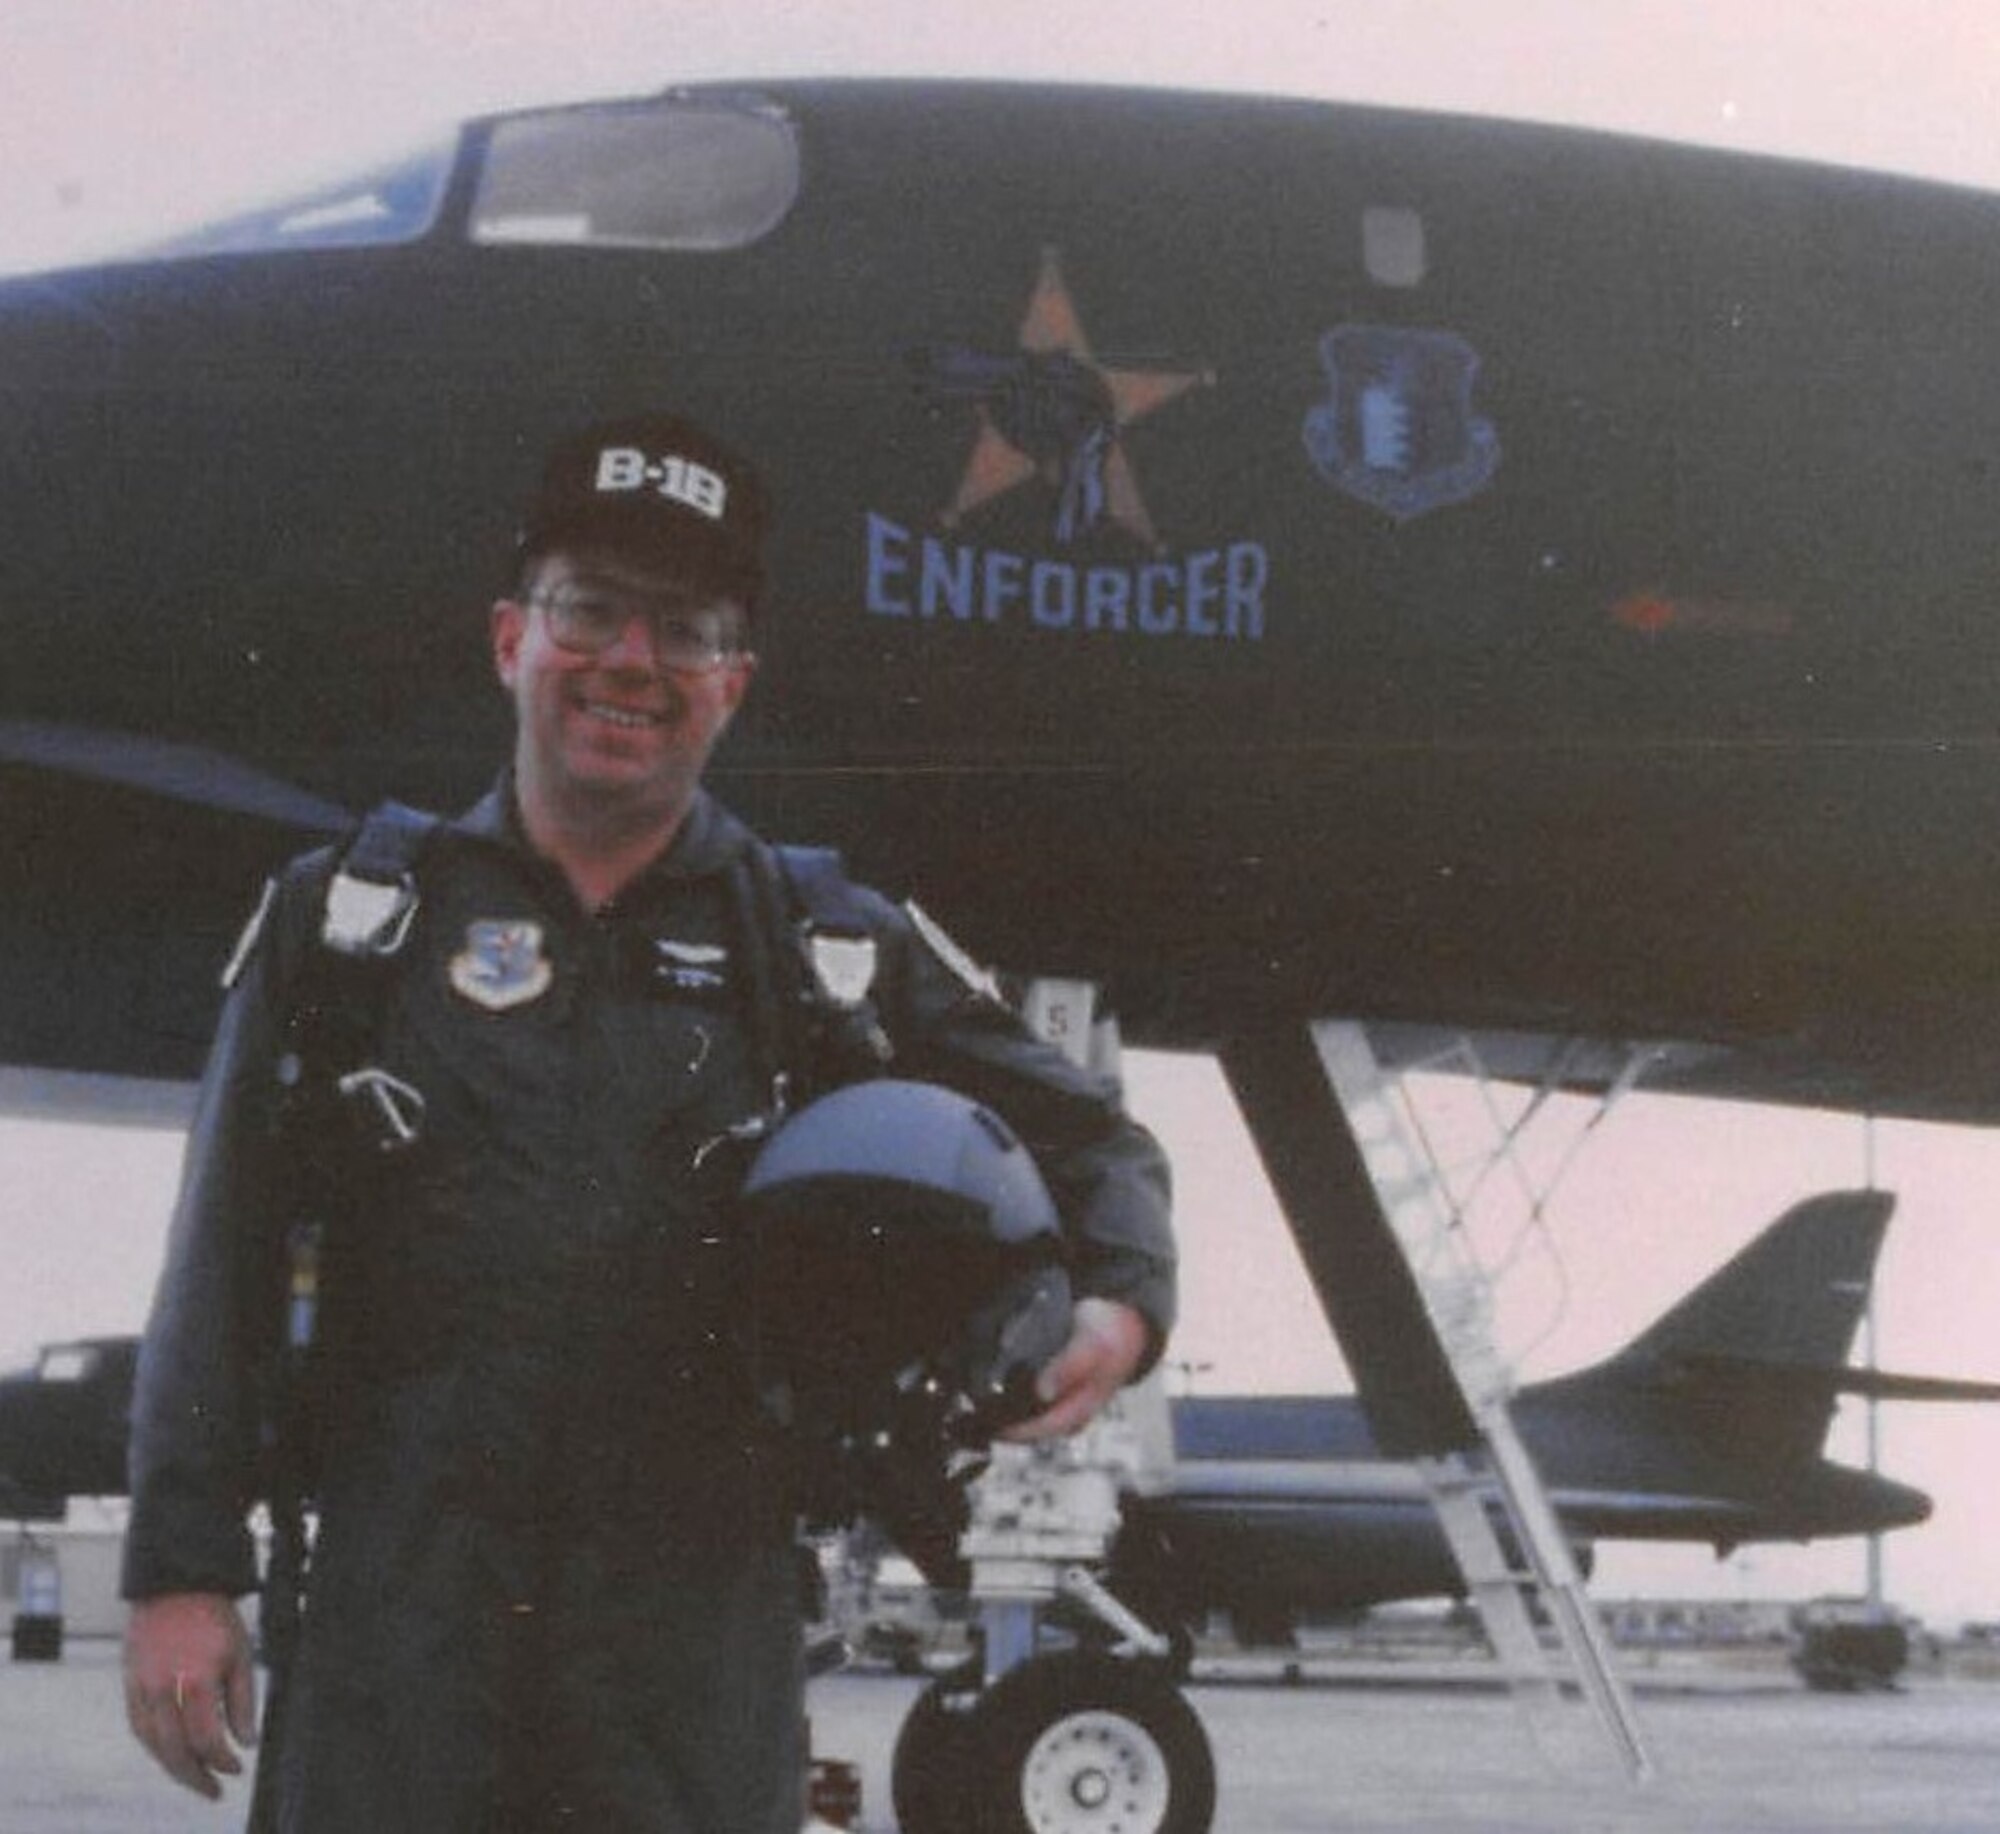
<point x="906" y="1269"/>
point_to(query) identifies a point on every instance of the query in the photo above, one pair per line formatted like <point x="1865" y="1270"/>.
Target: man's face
<point x="616" y="711"/>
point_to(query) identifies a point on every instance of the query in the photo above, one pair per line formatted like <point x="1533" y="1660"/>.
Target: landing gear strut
<point x="1093" y="1739"/>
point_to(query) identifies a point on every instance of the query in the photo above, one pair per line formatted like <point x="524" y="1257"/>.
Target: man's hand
<point x="1106" y="1340"/>
<point x="190" y="1686"/>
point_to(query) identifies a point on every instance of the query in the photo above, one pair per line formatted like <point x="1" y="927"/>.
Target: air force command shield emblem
<point x="502" y="964"/>
<point x="1397" y="428"/>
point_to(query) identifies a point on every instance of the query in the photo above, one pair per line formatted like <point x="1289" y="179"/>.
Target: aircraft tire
<point x="1084" y="1743"/>
<point x="928" y="1775"/>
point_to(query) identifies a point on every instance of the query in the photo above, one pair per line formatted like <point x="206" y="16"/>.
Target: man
<point x="554" y="1583"/>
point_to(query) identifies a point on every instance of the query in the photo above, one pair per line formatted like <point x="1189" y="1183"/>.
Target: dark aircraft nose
<point x="58" y="325"/>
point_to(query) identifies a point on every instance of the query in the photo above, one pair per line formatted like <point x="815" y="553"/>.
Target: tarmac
<point x="1335" y="1748"/>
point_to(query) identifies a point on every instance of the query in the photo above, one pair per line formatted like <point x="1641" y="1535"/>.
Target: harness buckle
<point x="368" y="916"/>
<point x="398" y="1107"/>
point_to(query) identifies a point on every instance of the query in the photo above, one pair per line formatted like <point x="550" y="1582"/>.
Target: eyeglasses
<point x="588" y="619"/>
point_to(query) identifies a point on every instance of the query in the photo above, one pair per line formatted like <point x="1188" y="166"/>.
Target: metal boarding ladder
<point x="1495" y="1514"/>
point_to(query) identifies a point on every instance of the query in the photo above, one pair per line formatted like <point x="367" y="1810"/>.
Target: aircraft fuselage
<point x="1289" y="559"/>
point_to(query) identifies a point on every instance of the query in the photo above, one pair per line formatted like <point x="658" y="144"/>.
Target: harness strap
<point x="817" y="879"/>
<point x="336" y="1005"/>
<point x="836" y="954"/>
<point x="776" y="1016"/>
<point x="331" y="1022"/>
<point x="372" y="898"/>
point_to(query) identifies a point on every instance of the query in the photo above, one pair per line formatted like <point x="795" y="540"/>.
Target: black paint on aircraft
<point x="1272" y="559"/>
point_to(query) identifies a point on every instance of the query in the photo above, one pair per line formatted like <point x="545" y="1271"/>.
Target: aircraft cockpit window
<point x="396" y="202"/>
<point x="664" y="175"/>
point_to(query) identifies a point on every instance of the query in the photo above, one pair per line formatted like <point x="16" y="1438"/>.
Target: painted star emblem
<point x="1060" y="418"/>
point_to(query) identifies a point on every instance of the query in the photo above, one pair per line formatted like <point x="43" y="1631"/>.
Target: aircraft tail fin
<point x="1790" y="1300"/>
<point x="1747" y="1366"/>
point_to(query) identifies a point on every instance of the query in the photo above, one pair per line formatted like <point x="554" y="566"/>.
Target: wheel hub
<point x="1095" y="1772"/>
<point x="1090" y="1789"/>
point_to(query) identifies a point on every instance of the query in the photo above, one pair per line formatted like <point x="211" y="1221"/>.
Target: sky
<point x="125" y="118"/>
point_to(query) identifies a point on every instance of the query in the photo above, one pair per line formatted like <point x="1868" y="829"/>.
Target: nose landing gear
<point x="1074" y="1742"/>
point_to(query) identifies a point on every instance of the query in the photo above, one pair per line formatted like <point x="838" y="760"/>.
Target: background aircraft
<point x="63" y="1426"/>
<point x="1707" y="1427"/>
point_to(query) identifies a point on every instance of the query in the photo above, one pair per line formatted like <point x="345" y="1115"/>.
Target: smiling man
<point x="626" y="647"/>
<point x="457" y="1146"/>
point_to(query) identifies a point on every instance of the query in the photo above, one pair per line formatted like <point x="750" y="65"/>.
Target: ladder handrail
<point x="1462" y="1315"/>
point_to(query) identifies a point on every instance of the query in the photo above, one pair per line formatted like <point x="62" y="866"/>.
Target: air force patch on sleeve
<point x="976" y="979"/>
<point x="502" y="964"/>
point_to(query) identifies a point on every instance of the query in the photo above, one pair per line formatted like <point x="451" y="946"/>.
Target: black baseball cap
<point x="659" y="488"/>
